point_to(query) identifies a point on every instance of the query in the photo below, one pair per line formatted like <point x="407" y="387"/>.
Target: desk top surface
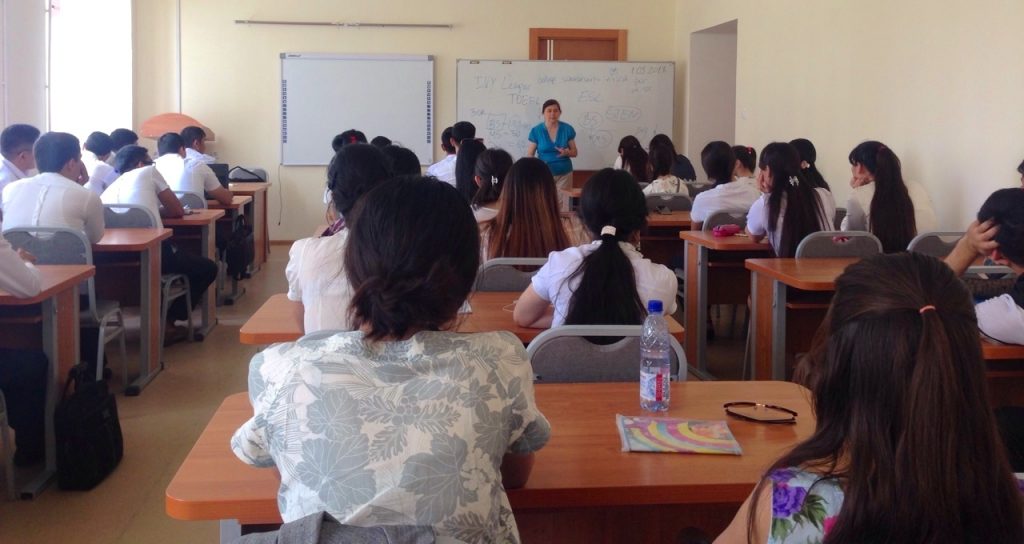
<point x="248" y="188"/>
<point x="726" y="243"/>
<point x="280" y="319"/>
<point x="237" y="201"/>
<point x="671" y="219"/>
<point x="806" y="274"/>
<point x="53" y="279"/>
<point x="197" y="218"/>
<point x="130" y="239"/>
<point x="582" y="465"/>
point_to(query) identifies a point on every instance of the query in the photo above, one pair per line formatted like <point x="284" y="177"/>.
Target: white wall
<point x="711" y="109"/>
<point x="231" y="72"/>
<point x="939" y="82"/>
<point x="25" y="61"/>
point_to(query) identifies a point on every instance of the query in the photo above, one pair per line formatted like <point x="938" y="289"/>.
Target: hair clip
<point x="494" y="180"/>
<point x="608" y="229"/>
<point x="794" y="181"/>
<point x="926" y="308"/>
<point x="804" y="165"/>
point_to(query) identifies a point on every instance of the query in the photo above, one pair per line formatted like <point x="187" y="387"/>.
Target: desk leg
<point x="235" y="293"/>
<point x="778" y="330"/>
<point x="691" y="311"/>
<point x="762" y="324"/>
<point x="60" y="343"/>
<point x="149" y="335"/>
<point x="208" y="306"/>
<point x="230" y="531"/>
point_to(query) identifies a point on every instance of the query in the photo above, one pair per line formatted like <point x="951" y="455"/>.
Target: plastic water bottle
<point x="655" y="366"/>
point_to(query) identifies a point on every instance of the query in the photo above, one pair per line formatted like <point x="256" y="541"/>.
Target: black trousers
<point x="1011" y="426"/>
<point x="23" y="377"/>
<point x="200" y="271"/>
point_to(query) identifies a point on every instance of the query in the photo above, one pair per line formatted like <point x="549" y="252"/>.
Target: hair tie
<point x="750" y="150"/>
<point x="804" y="165"/>
<point x="794" y="181"/>
<point x="926" y="308"/>
<point x="494" y="180"/>
<point x="607" y="229"/>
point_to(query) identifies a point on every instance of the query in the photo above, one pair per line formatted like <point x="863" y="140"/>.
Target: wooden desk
<point x="280" y="319"/>
<point x="730" y="283"/>
<point x="771" y="280"/>
<point x="257" y="210"/>
<point x="200" y="224"/>
<point x="60" y="341"/>
<point x="237" y="203"/>
<point x="659" y="240"/>
<point x="677" y="220"/>
<point x="139" y="247"/>
<point x="583" y="487"/>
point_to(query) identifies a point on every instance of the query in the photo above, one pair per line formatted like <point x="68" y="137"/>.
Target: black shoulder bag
<point x="88" y="432"/>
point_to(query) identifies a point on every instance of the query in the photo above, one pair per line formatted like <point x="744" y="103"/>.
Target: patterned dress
<point x="410" y="432"/>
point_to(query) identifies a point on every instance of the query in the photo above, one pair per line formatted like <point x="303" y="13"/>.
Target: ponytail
<point x="891" y="212"/>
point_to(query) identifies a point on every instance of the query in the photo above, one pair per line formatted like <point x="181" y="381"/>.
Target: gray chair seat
<point x="505" y="274"/>
<point x="832" y="243"/>
<point x="564" y="355"/>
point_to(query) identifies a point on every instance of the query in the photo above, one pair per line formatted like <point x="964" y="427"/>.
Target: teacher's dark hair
<point x="550" y="102"/>
<point x="892" y="212"/>
<point x="903" y="420"/>
<point x="606" y="294"/>
<point x="465" y="163"/>
<point x="353" y="171"/>
<point x="412" y="255"/>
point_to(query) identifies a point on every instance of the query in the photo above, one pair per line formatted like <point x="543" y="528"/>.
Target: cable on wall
<point x="343" y="25"/>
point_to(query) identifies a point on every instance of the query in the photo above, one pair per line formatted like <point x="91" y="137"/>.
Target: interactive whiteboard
<point x="323" y="95"/>
<point x="603" y="101"/>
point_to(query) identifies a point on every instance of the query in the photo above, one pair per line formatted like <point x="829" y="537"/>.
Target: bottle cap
<point x="654" y="307"/>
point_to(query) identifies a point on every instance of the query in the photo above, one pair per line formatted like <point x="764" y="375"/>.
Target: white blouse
<point x="316" y="277"/>
<point x="733" y="197"/>
<point x="858" y="208"/>
<point x="757" y="217"/>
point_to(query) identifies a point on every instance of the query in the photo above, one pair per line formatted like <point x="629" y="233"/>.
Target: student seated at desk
<point x="98" y="148"/>
<point x="141" y="183"/>
<point x="16" y="143"/>
<point x="528" y="223"/>
<point x="315" y="272"/>
<point x="400" y="419"/>
<point x="121" y="137"/>
<point x="605" y="282"/>
<point x="682" y="168"/>
<point x="662" y="159"/>
<point x="187" y="175"/>
<point x="905" y="448"/>
<point x="789" y="208"/>
<point x="882" y="202"/>
<point x="489" y="175"/>
<point x="465" y="162"/>
<point x="728" y="195"/>
<point x="633" y="159"/>
<point x="23" y="374"/>
<point x="444" y="169"/>
<point x="195" y="145"/>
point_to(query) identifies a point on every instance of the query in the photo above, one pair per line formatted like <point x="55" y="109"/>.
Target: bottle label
<point x="654" y="386"/>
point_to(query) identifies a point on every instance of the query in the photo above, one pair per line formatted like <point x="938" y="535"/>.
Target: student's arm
<point x="978" y="240"/>
<point x="17" y="276"/>
<point x="736" y="532"/>
<point x="756" y="217"/>
<point x="531" y="310"/>
<point x="170" y="206"/>
<point x="94" y="222"/>
<point x="221" y="195"/>
<point x="856" y="218"/>
<point x="515" y="469"/>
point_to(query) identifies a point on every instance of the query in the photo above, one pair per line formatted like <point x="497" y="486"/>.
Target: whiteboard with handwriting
<point x="602" y="100"/>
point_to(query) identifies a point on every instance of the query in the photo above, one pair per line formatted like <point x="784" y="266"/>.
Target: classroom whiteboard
<point x="603" y="101"/>
<point x="381" y="95"/>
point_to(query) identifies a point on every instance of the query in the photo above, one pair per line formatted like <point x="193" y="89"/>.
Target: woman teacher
<point x="555" y="144"/>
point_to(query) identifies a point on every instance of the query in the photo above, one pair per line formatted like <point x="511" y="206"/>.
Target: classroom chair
<point x="6" y="451"/>
<point x="564" y="355"/>
<point x="506" y="273"/>
<point x="853" y="243"/>
<point x="724" y="218"/>
<point x="936" y="244"/>
<point x="191" y="200"/>
<point x="675" y="202"/>
<point x="69" y="246"/>
<point x="837" y="223"/>
<point x="172" y="286"/>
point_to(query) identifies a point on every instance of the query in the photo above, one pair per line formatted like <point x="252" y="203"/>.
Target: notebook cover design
<point x="673" y="435"/>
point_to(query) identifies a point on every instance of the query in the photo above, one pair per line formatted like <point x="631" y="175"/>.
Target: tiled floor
<point x="161" y="425"/>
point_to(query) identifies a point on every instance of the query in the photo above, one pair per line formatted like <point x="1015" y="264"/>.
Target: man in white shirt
<point x="444" y="169"/>
<point x="16" y="143"/>
<point x="55" y="198"/>
<point x="23" y="373"/>
<point x="195" y="145"/>
<point x="98" y="149"/>
<point x="141" y="183"/>
<point x="187" y="175"/>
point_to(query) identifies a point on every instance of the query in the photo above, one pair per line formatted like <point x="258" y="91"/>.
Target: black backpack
<point x="88" y="432"/>
<point x="240" y="249"/>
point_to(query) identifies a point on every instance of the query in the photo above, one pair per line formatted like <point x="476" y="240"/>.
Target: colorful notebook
<point x="657" y="434"/>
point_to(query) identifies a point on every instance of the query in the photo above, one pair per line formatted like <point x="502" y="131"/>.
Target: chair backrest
<point x="507" y="274"/>
<point x="936" y="244"/>
<point x="724" y="218"/>
<point x="837" y="223"/>
<point x="563" y="354"/>
<point x="643" y="184"/>
<point x="834" y="243"/>
<point x="122" y="216"/>
<point x="50" y="245"/>
<point x="695" y="188"/>
<point x="676" y="202"/>
<point x="191" y="200"/>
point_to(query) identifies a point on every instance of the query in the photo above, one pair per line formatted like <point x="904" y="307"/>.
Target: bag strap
<point x="74" y="377"/>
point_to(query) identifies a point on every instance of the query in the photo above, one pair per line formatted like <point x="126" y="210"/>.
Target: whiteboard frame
<point x="431" y="90"/>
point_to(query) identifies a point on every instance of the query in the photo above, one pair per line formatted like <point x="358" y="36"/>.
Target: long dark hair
<point x="718" y="161"/>
<point x="465" y="162"/>
<point x="354" y="170"/>
<point x="808" y="154"/>
<point x="634" y="158"/>
<point x="491" y="167"/>
<point x="662" y="160"/>
<point x="411" y="258"/>
<point x="683" y="168"/>
<point x="903" y="416"/>
<point x="804" y="212"/>
<point x="528" y="223"/>
<point x="607" y="293"/>
<point x="892" y="211"/>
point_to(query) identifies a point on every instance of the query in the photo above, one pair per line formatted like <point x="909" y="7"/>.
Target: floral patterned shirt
<point x="410" y="432"/>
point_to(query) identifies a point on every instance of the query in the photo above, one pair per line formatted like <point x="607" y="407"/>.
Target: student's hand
<point x="83" y="174"/>
<point x="859" y="181"/>
<point x="981" y="236"/>
<point x="26" y="256"/>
